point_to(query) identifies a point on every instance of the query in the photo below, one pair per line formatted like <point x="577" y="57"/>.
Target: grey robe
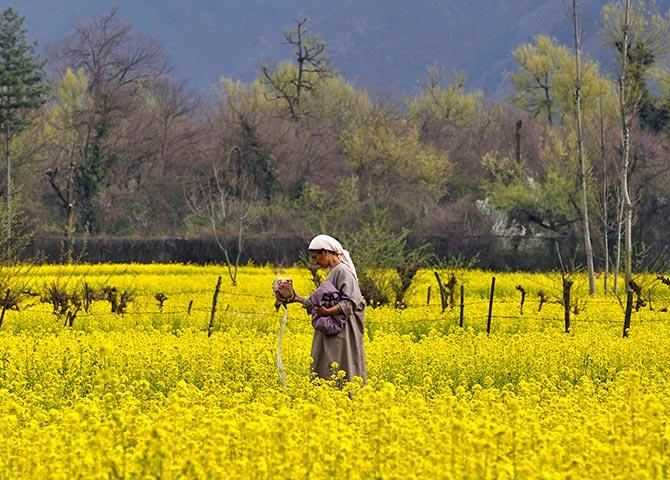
<point x="346" y="347"/>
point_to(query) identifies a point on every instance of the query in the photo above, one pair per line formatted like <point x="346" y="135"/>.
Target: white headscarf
<point x="326" y="242"/>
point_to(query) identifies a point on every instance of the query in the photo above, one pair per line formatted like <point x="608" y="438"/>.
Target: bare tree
<point x="66" y="197"/>
<point x="225" y="202"/>
<point x="639" y="33"/>
<point x="158" y="138"/>
<point x="67" y="132"/>
<point x="118" y="64"/>
<point x="602" y="208"/>
<point x="112" y="55"/>
<point x="288" y="82"/>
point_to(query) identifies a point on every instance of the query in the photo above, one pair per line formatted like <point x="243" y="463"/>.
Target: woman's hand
<point x="296" y="298"/>
<point x="323" y="311"/>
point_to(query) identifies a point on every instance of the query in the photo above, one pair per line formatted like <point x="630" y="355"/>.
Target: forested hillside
<point x="119" y="147"/>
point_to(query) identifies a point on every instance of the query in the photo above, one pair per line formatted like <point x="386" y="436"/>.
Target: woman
<point x="346" y="346"/>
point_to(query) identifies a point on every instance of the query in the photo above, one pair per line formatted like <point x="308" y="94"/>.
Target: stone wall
<point x="495" y="253"/>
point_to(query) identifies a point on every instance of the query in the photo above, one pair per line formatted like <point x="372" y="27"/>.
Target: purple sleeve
<point x="346" y="284"/>
<point x="307" y="304"/>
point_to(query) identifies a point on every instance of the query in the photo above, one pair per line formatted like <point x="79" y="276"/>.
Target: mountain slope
<point x="380" y="44"/>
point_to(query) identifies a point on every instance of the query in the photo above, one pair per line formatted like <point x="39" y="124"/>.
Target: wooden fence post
<point x="190" y="305"/>
<point x="523" y="298"/>
<point x="443" y="294"/>
<point x="629" y="311"/>
<point x="460" y="322"/>
<point x="451" y="286"/>
<point x="214" y="300"/>
<point x="4" y="307"/>
<point x="567" y="285"/>
<point x="488" y="321"/>
<point x="428" y="296"/>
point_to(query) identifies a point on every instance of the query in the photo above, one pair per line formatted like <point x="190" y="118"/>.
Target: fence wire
<point x="447" y="314"/>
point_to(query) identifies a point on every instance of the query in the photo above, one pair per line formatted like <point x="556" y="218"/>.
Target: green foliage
<point x="544" y="81"/>
<point x="240" y="107"/>
<point x="13" y="245"/>
<point x="541" y="196"/>
<point x="385" y="260"/>
<point x="257" y="161"/>
<point x="441" y="105"/>
<point x="648" y="43"/>
<point x="656" y="112"/>
<point x="21" y="87"/>
<point x="121" y="67"/>
<point x="64" y="128"/>
<point x="16" y="235"/>
<point x="648" y="30"/>
<point x="338" y="211"/>
<point x="337" y="104"/>
<point x="77" y="131"/>
<point x="93" y="174"/>
<point x="66" y="136"/>
<point x="239" y="99"/>
<point x="394" y="169"/>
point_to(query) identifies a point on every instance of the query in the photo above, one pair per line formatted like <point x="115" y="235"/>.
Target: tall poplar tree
<point x="21" y="87"/>
<point x="588" y="249"/>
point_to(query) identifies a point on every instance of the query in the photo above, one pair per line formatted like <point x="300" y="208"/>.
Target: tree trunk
<point x="619" y="234"/>
<point x="547" y="97"/>
<point x="69" y="207"/>
<point x="70" y="233"/>
<point x="519" y="124"/>
<point x="588" y="249"/>
<point x="8" y="192"/>
<point x="606" y="253"/>
<point x="605" y="212"/>
<point x="625" y="151"/>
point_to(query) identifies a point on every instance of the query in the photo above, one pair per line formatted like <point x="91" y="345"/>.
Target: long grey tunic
<point x="346" y="347"/>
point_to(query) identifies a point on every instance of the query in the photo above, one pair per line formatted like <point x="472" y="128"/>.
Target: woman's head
<point x="325" y="242"/>
<point x="326" y="251"/>
<point x="324" y="258"/>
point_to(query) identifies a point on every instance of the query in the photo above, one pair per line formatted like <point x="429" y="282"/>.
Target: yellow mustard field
<point x="148" y="393"/>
